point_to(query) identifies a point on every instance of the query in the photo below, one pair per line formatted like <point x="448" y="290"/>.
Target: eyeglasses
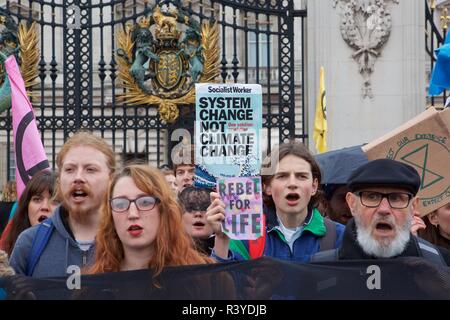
<point x="372" y="199"/>
<point x="143" y="203"/>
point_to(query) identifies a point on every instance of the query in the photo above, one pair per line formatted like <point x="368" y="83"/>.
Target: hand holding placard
<point x="242" y="197"/>
<point x="215" y="214"/>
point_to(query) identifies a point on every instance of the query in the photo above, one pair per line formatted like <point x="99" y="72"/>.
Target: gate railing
<point x="78" y="79"/>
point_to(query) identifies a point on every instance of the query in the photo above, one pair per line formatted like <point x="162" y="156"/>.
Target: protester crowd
<point x="102" y="218"/>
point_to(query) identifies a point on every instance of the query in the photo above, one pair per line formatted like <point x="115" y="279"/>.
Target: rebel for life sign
<point x="423" y="142"/>
<point x="243" y="207"/>
<point x="227" y="128"/>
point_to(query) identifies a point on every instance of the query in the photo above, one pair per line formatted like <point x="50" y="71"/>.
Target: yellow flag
<point x="320" y="120"/>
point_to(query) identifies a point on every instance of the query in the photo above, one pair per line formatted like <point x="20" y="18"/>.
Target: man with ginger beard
<point x="85" y="166"/>
<point x="382" y="199"/>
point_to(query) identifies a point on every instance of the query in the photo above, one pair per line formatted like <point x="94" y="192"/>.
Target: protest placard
<point x="243" y="207"/>
<point x="227" y="129"/>
<point x="423" y="142"/>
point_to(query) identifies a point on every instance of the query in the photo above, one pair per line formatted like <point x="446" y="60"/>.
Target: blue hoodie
<point x="61" y="251"/>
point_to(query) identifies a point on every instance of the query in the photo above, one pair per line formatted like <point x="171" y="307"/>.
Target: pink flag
<point x="30" y="153"/>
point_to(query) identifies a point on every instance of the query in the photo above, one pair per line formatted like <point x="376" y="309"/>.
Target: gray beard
<point x="384" y="248"/>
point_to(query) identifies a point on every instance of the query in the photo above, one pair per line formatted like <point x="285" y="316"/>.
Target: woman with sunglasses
<point x="141" y="225"/>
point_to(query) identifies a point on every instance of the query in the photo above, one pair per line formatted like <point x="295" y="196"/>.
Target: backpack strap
<point x="256" y="247"/>
<point x="325" y="256"/>
<point x="328" y="241"/>
<point x="430" y="252"/>
<point x="40" y="241"/>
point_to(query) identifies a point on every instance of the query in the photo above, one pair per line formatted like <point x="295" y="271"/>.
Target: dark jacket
<point x="307" y="244"/>
<point x="351" y="250"/>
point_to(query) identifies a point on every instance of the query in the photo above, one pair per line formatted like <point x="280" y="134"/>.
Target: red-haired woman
<point x="141" y="225"/>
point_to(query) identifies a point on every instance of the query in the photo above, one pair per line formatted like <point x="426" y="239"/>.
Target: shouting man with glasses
<point x="382" y="200"/>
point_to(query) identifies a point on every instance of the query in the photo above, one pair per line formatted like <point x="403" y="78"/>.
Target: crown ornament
<point x="144" y="22"/>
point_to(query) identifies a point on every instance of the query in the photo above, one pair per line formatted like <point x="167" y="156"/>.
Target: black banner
<point x="261" y="279"/>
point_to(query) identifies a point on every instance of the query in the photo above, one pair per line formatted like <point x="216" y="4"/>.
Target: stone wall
<point x="397" y="82"/>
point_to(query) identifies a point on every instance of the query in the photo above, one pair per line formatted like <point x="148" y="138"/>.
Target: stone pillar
<point x="398" y="80"/>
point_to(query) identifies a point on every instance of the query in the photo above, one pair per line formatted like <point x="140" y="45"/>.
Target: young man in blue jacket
<point x="294" y="228"/>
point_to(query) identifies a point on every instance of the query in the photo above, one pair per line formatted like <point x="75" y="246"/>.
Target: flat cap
<point x="385" y="172"/>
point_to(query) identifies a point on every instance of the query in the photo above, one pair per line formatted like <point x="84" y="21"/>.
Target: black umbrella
<point x="337" y="165"/>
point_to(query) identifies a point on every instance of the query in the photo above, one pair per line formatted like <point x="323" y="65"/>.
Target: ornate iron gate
<point x="78" y="82"/>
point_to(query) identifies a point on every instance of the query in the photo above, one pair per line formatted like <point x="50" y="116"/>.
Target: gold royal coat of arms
<point x="159" y="63"/>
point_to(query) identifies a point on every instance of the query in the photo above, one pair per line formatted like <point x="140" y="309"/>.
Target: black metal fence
<point x="78" y="79"/>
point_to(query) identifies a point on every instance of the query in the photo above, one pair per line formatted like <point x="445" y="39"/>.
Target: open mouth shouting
<point x="135" y="230"/>
<point x="384" y="228"/>
<point x="292" y="198"/>
<point x="199" y="225"/>
<point x="78" y="195"/>
<point x="42" y="218"/>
